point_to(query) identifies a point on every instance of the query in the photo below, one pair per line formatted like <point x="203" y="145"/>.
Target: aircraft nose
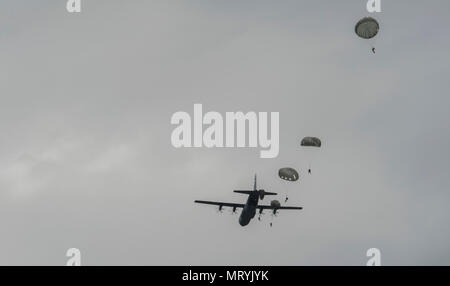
<point x="242" y="222"/>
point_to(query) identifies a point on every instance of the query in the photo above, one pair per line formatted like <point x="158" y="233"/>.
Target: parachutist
<point x="313" y="142"/>
<point x="373" y="50"/>
<point x="270" y="224"/>
<point x="286" y="199"/>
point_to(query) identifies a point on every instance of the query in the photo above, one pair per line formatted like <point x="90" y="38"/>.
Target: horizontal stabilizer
<point x="262" y="192"/>
<point x="243" y="192"/>
<point x="270" y="194"/>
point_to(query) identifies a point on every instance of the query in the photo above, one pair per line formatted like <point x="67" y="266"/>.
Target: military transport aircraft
<point x="249" y="208"/>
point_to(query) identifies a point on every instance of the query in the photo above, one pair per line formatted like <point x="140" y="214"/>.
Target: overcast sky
<point x="86" y="159"/>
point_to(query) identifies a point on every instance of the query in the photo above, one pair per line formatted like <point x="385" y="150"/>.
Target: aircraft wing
<point x="267" y="207"/>
<point x="221" y="204"/>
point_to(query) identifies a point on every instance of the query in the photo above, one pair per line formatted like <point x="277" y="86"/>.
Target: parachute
<point x="288" y="174"/>
<point x="314" y="143"/>
<point x="311" y="142"/>
<point x="275" y="204"/>
<point x="367" y="28"/>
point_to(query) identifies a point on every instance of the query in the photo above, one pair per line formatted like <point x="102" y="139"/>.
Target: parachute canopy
<point x="311" y="142"/>
<point x="288" y="174"/>
<point x="367" y="28"/>
<point x="275" y="204"/>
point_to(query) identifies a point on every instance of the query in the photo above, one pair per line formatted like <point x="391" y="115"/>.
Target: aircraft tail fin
<point x="262" y="193"/>
<point x="247" y="192"/>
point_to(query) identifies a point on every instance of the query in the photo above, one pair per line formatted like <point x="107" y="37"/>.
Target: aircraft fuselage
<point x="249" y="210"/>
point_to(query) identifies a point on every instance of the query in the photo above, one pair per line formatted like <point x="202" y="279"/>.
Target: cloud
<point x="21" y="177"/>
<point x="86" y="159"/>
<point x="111" y="159"/>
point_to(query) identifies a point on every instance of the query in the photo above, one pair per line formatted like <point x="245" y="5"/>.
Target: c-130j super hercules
<point x="250" y="207"/>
